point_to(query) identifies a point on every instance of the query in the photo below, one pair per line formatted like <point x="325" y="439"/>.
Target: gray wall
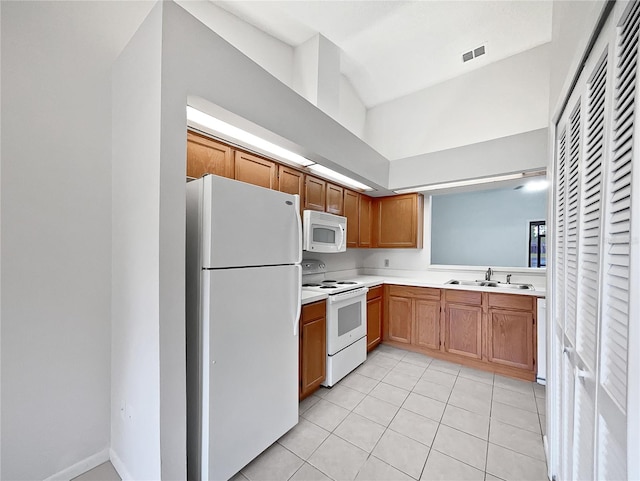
<point x="487" y="228"/>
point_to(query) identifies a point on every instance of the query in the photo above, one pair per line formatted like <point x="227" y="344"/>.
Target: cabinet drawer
<point x="313" y="311"/>
<point x="415" y="292"/>
<point x="510" y="301"/>
<point x="463" y="297"/>
<point x="374" y="292"/>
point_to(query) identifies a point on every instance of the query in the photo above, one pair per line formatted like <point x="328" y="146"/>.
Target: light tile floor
<point x="402" y="416"/>
<point x="405" y="416"/>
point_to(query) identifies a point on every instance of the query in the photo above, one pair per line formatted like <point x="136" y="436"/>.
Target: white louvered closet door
<point x="593" y="263"/>
<point x="588" y="279"/>
<point x="613" y="374"/>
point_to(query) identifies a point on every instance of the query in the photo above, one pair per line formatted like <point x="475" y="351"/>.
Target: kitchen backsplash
<point x="413" y="263"/>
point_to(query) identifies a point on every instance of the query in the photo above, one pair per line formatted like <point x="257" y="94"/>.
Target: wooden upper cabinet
<point x="351" y="210"/>
<point x="335" y="199"/>
<point x="291" y="181"/>
<point x="256" y="170"/>
<point x="463" y="330"/>
<point x="426" y="328"/>
<point x="314" y="193"/>
<point x="364" y="218"/>
<point x="398" y="221"/>
<point x="206" y="156"/>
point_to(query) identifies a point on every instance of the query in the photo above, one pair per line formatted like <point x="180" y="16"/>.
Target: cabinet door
<point x="364" y="217"/>
<point x="374" y="322"/>
<point x="399" y="221"/>
<point x="335" y="199"/>
<point x="291" y="181"/>
<point x="427" y="324"/>
<point x="206" y="156"/>
<point x="256" y="170"/>
<point x="351" y="210"/>
<point x="463" y="330"/>
<point x="510" y="336"/>
<point x="314" y="193"/>
<point x="313" y="353"/>
<point x="400" y="319"/>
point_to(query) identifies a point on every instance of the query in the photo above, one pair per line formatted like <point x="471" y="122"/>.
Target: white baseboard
<point x="119" y="466"/>
<point x="81" y="466"/>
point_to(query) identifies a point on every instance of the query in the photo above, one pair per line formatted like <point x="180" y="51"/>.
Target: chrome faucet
<point x="488" y="274"/>
<point x="508" y="278"/>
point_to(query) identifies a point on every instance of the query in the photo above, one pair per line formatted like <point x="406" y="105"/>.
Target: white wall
<point x="353" y="113"/>
<point x="572" y="25"/>
<point x="513" y="154"/>
<point x="504" y="98"/>
<point x="489" y="227"/>
<point x="135" y="305"/>
<point x="305" y="69"/>
<point x="274" y="56"/>
<point x="56" y="232"/>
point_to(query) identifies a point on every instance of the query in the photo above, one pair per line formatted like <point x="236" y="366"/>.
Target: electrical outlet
<point x="386" y="262"/>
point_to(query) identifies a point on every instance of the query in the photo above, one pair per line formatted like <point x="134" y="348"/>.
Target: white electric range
<point x="346" y="319"/>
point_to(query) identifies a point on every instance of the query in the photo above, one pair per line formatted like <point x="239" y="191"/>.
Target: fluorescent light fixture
<point x="244" y="137"/>
<point x="536" y="185"/>
<point x="465" y="183"/>
<point x="343" y="179"/>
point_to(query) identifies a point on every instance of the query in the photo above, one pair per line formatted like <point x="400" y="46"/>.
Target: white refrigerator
<point x="244" y="248"/>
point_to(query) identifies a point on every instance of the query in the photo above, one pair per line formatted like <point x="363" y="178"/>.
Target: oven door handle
<point x="343" y="296"/>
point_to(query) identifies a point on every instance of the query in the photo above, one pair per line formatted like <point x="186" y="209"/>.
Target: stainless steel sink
<point x="501" y="285"/>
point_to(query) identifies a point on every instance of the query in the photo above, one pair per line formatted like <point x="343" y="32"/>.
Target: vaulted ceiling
<point x="394" y="48"/>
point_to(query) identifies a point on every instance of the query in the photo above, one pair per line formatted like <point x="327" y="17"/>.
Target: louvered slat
<point x="590" y="219"/>
<point x="584" y="430"/>
<point x="612" y="459"/>
<point x="618" y="221"/>
<point x="572" y="221"/>
<point x="560" y="230"/>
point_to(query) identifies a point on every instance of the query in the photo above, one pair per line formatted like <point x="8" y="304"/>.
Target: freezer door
<point x="246" y="225"/>
<point x="250" y="364"/>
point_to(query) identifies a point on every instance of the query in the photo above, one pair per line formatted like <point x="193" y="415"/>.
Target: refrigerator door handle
<point x="296" y="213"/>
<point x="298" y="308"/>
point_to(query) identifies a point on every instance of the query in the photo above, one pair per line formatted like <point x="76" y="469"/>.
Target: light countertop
<point x="371" y="281"/>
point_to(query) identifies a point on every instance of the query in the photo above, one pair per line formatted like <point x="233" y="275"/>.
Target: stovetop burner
<point x="329" y="282"/>
<point x="346" y="282"/>
<point x="328" y="287"/>
<point x="311" y="284"/>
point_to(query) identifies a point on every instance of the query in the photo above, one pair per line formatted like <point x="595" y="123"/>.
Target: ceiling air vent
<point x="475" y="53"/>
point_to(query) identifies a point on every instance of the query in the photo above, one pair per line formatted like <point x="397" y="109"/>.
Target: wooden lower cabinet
<point x="463" y="330"/>
<point x="399" y="319"/>
<point x="495" y="332"/>
<point x="374" y="317"/>
<point x="426" y="325"/>
<point x="511" y="329"/>
<point x="313" y="347"/>
<point x="413" y="316"/>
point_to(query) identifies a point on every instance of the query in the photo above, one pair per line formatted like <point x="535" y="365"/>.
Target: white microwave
<point x="324" y="232"/>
